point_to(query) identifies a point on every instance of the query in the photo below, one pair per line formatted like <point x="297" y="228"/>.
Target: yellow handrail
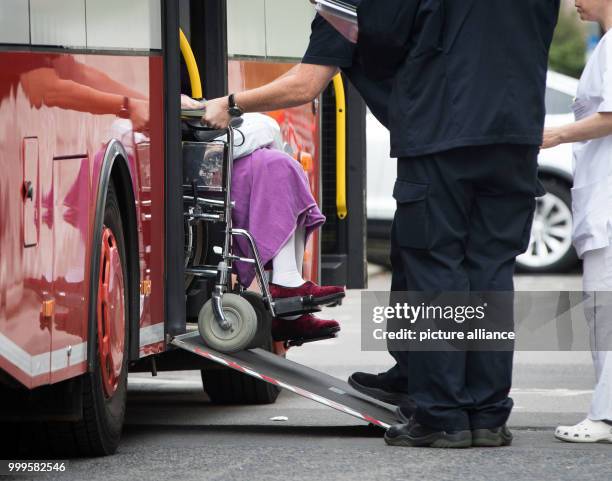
<point x="192" y="67"/>
<point x="341" y="206"/>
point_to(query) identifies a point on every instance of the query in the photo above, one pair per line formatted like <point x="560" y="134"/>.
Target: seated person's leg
<point x="287" y="281"/>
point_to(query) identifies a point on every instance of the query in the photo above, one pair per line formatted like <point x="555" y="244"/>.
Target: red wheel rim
<point x="111" y="313"/>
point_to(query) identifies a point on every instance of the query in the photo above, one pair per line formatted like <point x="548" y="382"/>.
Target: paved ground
<point x="172" y="431"/>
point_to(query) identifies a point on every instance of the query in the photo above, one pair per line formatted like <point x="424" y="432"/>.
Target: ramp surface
<point x="296" y="378"/>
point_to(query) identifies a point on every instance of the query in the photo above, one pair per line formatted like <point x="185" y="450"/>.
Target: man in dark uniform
<point x="466" y="113"/>
<point x="466" y="116"/>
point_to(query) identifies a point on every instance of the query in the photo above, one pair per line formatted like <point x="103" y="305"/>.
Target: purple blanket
<point x="272" y="198"/>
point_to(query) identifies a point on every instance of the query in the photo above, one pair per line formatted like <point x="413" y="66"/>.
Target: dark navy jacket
<point x="465" y="72"/>
<point x="445" y="74"/>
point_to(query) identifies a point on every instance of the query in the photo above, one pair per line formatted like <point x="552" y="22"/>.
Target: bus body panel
<point x="45" y="242"/>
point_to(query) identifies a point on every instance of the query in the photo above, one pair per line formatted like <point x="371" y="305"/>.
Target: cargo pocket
<point x="411" y="227"/>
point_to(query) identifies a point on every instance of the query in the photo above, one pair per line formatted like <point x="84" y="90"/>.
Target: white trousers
<point x="597" y="284"/>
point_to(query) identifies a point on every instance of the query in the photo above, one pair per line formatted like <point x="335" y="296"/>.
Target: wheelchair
<point x="232" y="319"/>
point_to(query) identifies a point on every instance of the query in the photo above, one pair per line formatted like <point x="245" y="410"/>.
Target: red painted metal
<point x="66" y="102"/>
<point x="111" y="313"/>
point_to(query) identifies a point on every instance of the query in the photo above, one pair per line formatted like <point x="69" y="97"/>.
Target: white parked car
<point x="550" y="248"/>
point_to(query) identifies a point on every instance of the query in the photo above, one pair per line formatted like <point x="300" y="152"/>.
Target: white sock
<point x="287" y="265"/>
<point x="285" y="271"/>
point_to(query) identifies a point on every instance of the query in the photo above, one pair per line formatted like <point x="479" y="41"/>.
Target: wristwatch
<point x="233" y="109"/>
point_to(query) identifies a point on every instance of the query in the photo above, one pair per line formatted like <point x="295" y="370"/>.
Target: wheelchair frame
<point x="205" y="208"/>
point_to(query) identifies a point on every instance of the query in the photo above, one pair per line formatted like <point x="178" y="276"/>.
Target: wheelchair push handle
<point x="192" y="121"/>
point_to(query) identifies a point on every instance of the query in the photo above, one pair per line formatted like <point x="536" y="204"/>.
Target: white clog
<point x="586" y="431"/>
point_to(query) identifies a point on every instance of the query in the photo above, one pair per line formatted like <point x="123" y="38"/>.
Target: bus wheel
<point x="227" y="386"/>
<point x="242" y="317"/>
<point x="105" y="389"/>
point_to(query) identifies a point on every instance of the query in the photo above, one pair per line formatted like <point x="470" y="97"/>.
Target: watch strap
<point x="124" y="113"/>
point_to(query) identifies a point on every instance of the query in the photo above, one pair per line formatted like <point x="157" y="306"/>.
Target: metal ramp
<point x="296" y="378"/>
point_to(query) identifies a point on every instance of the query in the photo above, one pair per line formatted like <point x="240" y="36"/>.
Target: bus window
<point x="14" y="22"/>
<point x="287" y="27"/>
<point x="246" y="28"/>
<point x="58" y="23"/>
<point x="134" y="25"/>
<point x="99" y="24"/>
<point x="268" y="28"/>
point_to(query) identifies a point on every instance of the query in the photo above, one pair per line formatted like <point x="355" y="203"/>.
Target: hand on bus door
<point x="217" y="115"/>
<point x="139" y="114"/>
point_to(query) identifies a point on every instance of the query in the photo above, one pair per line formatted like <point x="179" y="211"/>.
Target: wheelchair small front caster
<point x="242" y="317"/>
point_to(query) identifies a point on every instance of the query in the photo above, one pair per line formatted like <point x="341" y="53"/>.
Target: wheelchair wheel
<point x="227" y="386"/>
<point x="263" y="338"/>
<point x="240" y="313"/>
<point x="196" y="246"/>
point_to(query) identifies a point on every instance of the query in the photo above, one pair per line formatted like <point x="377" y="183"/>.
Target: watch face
<point x="235" y="112"/>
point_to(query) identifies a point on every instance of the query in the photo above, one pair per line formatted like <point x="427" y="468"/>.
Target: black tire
<point x="99" y="431"/>
<point x="196" y="235"/>
<point x="11" y="441"/>
<point x="227" y="386"/>
<point x="569" y="260"/>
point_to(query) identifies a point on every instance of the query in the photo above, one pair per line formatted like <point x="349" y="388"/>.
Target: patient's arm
<point x="298" y="86"/>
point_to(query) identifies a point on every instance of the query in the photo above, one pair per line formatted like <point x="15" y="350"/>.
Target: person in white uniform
<point x="592" y="212"/>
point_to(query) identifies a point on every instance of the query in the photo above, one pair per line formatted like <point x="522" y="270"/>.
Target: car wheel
<point x="550" y="246"/>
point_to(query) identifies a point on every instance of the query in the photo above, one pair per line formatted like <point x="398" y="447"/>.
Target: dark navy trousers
<point x="462" y="217"/>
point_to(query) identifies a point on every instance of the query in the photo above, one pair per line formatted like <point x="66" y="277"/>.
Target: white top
<point x="592" y="192"/>
<point x="256" y="132"/>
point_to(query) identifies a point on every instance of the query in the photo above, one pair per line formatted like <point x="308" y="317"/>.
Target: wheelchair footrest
<point x="293" y="306"/>
<point x="299" y="342"/>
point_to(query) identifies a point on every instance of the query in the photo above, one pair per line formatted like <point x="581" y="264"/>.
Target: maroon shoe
<point x="320" y="294"/>
<point x="304" y="328"/>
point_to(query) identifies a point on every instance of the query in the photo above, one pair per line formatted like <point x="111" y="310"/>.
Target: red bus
<point x="92" y="232"/>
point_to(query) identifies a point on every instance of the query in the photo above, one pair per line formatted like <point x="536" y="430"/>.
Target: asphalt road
<point x="172" y="432"/>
